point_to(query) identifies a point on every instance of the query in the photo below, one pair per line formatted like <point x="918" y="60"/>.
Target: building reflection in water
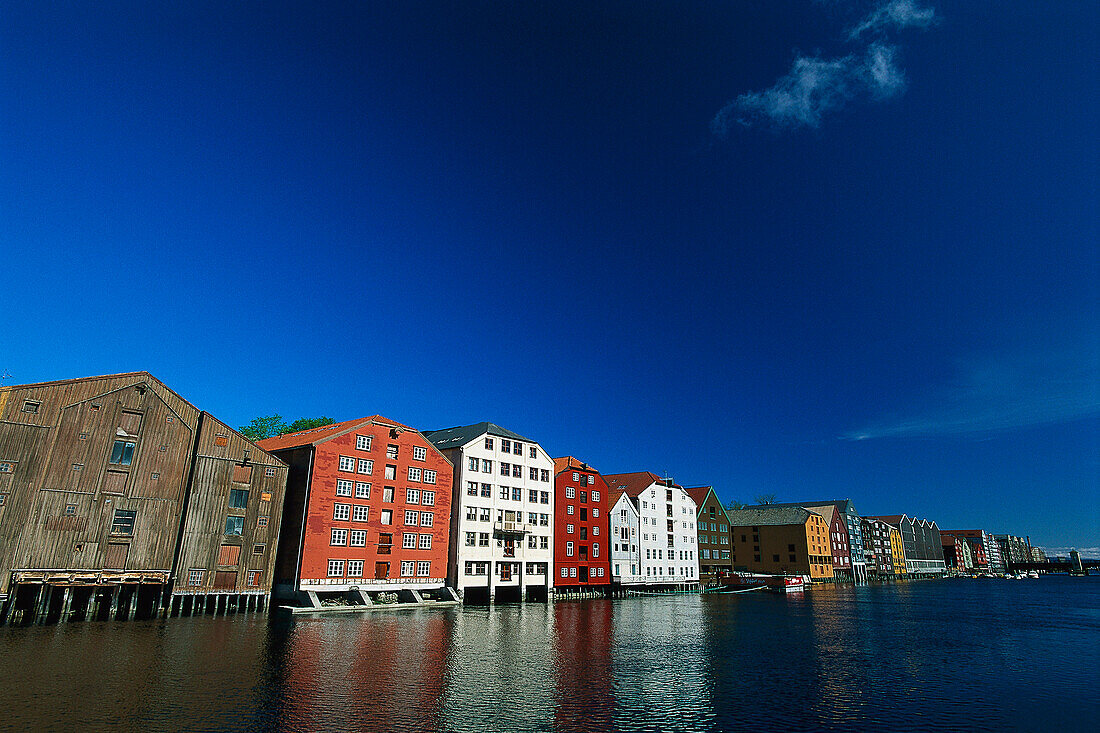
<point x="383" y="673"/>
<point x="582" y="644"/>
<point x="660" y="664"/>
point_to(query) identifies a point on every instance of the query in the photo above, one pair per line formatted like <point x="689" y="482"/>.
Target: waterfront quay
<point x="120" y="500"/>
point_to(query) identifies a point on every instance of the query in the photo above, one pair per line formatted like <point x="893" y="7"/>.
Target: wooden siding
<point x="208" y="508"/>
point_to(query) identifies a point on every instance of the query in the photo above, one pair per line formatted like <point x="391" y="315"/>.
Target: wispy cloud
<point x="817" y="85"/>
<point x="894" y="15"/>
<point x="997" y="395"/>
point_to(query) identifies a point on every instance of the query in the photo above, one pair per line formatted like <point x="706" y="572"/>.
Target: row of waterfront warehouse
<point x="119" y="498"/>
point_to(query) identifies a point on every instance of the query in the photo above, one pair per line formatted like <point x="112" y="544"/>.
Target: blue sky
<point x="816" y="249"/>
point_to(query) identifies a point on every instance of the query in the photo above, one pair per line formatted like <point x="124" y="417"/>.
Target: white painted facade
<point x="502" y="526"/>
<point x="626" y="564"/>
<point x="667" y="541"/>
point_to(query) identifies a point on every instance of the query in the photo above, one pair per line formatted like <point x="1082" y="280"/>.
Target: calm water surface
<point x="972" y="654"/>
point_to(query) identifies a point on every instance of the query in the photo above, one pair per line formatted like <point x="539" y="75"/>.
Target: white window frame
<point x="420" y="453"/>
<point x="408" y="540"/>
<point x="365" y="466"/>
<point x="341" y="512"/>
<point x="335" y="568"/>
<point x="425" y="542"/>
<point x="346" y="463"/>
<point x="362" y="442"/>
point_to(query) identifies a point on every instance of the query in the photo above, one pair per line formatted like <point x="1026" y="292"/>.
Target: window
<point x="242" y="474"/>
<point x="488" y="444"/>
<point x="517" y="493"/>
<point x="533" y="496"/>
<point x="358" y="538"/>
<point x="269" y="472"/>
<point x="387" y="494"/>
<point x="505" y="446"/>
<point x="347" y="463"/>
<point x="427" y="498"/>
<point x="194" y="576"/>
<point x="391" y="473"/>
<point x="486" y="489"/>
<point x="595" y="549"/>
<point x="471" y="540"/>
<point x="534" y="452"/>
<point x="471" y="513"/>
<point x="355" y="568"/>
<point x="429" y="476"/>
<point x="425" y="542"/>
<point x="412" y="517"/>
<point x="362" y="442"/>
<point x="234" y="525"/>
<point x="505" y="492"/>
<point x="366" y="466"/>
<point x="412" y="496"/>
<point x="238" y="498"/>
<point x="565" y="572"/>
<point x="391" y="452"/>
<point x="339" y="537"/>
<point x="595" y="513"/>
<point x="596" y="529"/>
<point x="544" y="497"/>
<point x="261" y="521"/>
<point x="486" y="515"/>
<point x="572" y="572"/>
<point x="570" y="492"/>
<point x="420" y="453"/>
<point x="517" y="470"/>
<point x="423" y="568"/>
<point x="335" y="568"/>
<point x="407" y="567"/>
<point x="31" y="406"/>
<point x="123" y="522"/>
<point x="414" y="473"/>
<point x="486" y="466"/>
<point x="344" y="487"/>
<point x="569" y="509"/>
<point x="360" y="513"/>
<point x="544" y="543"/>
<point x="544" y="520"/>
<point x="471" y="488"/>
<point x="7" y="467"/>
<point x="532" y="542"/>
<point x="533" y="474"/>
<point x="472" y="464"/>
<point x="408" y="541"/>
<point x="362" y="490"/>
<point x="505" y="469"/>
<point x="341" y="511"/>
<point x="569" y="549"/>
<point x="70" y="510"/>
<point x="569" y="529"/>
<point x="427" y="519"/>
<point x="122" y="453"/>
<point x="483" y="539"/>
<point x="544" y="473"/>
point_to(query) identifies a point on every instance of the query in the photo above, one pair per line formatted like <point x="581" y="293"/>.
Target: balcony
<point x="511" y="528"/>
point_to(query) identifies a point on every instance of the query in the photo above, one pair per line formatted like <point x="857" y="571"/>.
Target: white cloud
<point x="896" y="14"/>
<point x="817" y="85"/>
<point x="999" y="394"/>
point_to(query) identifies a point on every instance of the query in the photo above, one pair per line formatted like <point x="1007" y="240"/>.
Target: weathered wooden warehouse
<point x="117" y="496"/>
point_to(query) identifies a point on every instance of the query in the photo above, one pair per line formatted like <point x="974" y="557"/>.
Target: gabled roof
<point x="842" y="505"/>
<point x="120" y="375"/>
<point x="699" y="494"/>
<point x="893" y="519"/>
<point x="616" y="495"/>
<point x="569" y="463"/>
<point x="825" y="511"/>
<point x="767" y="516"/>
<point x="459" y="436"/>
<point x="633" y="483"/>
<point x="316" y="436"/>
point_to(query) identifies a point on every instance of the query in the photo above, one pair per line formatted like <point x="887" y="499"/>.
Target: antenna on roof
<point x="5" y="377"/>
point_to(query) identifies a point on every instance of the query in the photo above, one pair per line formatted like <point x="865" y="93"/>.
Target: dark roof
<point x="767" y="516"/>
<point x="844" y="505"/>
<point x="459" y="436"/>
<point x="632" y="483"/>
<point x="313" y="436"/>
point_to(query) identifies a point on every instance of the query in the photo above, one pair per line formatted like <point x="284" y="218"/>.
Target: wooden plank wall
<point x="220" y="449"/>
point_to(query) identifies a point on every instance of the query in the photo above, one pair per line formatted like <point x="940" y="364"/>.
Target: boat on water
<point x="756" y="581"/>
<point x="1033" y="573"/>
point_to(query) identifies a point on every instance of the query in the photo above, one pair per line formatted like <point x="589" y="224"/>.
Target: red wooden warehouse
<point x="582" y="557"/>
<point x="368" y="508"/>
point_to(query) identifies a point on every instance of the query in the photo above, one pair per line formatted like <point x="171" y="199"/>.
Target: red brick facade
<point x="582" y="557"/>
<point x="379" y="506"/>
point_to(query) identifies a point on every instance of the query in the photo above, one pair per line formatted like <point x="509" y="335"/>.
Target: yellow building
<point x="781" y="540"/>
<point x="897" y="551"/>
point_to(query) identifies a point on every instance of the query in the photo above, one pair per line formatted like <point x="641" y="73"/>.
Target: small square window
<point x="154" y="476"/>
<point x="83" y="436"/>
<point x="261" y="522"/>
<point x="31" y="406"/>
<point x="221" y="440"/>
<point x="70" y="510"/>
<point x="269" y="472"/>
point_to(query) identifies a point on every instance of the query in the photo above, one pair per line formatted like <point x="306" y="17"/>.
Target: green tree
<point x="305" y="423"/>
<point x="264" y="427"/>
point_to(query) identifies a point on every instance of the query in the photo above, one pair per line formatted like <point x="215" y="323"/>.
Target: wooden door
<point x="381" y="570"/>
<point x="582" y="571"/>
<point x="506" y="571"/>
<point x="116" y="555"/>
<point x="225" y="580"/>
<point x="509" y="548"/>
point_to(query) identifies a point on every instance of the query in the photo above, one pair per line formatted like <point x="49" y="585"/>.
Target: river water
<point x="973" y="654"/>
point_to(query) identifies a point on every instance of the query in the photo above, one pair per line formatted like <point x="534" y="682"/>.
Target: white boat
<point x="1033" y="573"/>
